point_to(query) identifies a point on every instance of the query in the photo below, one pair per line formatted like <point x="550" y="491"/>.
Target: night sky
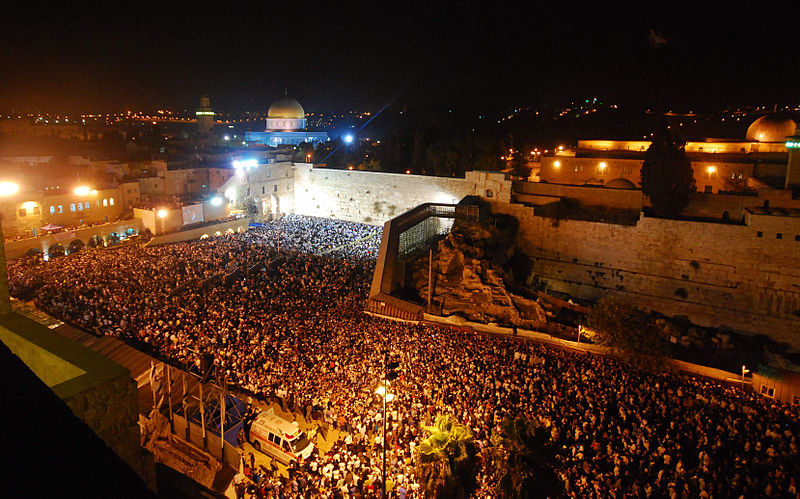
<point x="95" y="57"/>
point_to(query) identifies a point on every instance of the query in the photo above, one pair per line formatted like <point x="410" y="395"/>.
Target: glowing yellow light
<point x="28" y="205"/>
<point x="603" y="165"/>
<point x="82" y="191"/>
<point x="557" y="164"/>
<point x="711" y="169"/>
<point x="8" y="188"/>
<point x="162" y="213"/>
<point x="560" y="148"/>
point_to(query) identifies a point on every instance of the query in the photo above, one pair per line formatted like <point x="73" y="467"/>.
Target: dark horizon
<point x="92" y="58"/>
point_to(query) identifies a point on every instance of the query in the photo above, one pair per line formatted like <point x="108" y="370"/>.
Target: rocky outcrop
<point x="468" y="279"/>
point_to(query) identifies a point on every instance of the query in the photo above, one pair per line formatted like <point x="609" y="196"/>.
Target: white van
<point x="273" y="435"/>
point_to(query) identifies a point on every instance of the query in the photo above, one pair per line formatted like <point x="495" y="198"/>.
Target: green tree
<point x="519" y="463"/>
<point x="667" y="176"/>
<point x="446" y="459"/>
<point x="620" y="325"/>
<point x="519" y="165"/>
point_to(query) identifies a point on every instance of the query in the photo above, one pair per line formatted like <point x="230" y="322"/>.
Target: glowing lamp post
<point x="389" y="373"/>
<point x="8" y="188"/>
<point x="162" y="214"/>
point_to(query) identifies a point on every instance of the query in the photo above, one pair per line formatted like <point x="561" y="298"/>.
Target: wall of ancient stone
<point x="374" y="198"/>
<point x="744" y="277"/>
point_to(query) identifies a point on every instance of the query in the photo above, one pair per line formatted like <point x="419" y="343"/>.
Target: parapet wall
<point x="744" y="277"/>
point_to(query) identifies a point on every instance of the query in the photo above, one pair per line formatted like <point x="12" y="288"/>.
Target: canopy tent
<point x="50" y="227"/>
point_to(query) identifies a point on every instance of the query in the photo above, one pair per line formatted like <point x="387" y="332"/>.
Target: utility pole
<point x="203" y="417"/>
<point x="169" y="398"/>
<point x="183" y="406"/>
<point x="385" y="393"/>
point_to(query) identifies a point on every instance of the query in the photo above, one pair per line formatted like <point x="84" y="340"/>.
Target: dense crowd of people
<point x="281" y="315"/>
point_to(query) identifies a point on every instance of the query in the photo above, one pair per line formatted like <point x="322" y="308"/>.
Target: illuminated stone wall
<point x="715" y="274"/>
<point x="709" y="175"/>
<point x="373" y="198"/>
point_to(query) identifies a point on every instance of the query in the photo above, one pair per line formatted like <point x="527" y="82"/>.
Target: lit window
<point x="111" y="201"/>
<point x="72" y="207"/>
<point x="52" y="210"/>
<point x="105" y="202"/>
<point x="80" y="206"/>
<point x="87" y="205"/>
<point x="60" y="209"/>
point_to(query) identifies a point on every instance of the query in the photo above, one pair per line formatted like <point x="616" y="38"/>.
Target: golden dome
<point x="771" y="128"/>
<point x="286" y="108"/>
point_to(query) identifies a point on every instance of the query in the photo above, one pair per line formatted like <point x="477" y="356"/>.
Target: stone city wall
<point x="542" y="193"/>
<point x="374" y="198"/>
<point x="744" y="277"/>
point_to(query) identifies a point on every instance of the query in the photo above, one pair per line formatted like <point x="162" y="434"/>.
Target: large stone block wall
<point x="110" y="409"/>
<point x="714" y="274"/>
<point x="374" y="198"/>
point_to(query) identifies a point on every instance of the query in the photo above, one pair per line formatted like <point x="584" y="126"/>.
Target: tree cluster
<point x="622" y="326"/>
<point x="667" y="176"/>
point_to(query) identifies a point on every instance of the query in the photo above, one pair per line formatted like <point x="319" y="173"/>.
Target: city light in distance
<point x="216" y="201"/>
<point x="8" y="188"/>
<point x="348" y="139"/>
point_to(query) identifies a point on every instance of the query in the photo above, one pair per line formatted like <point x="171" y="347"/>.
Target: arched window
<point x="80" y="206"/>
<point x="105" y="202"/>
<point x="111" y="201"/>
<point x="61" y="208"/>
<point x="52" y="210"/>
<point x="87" y="205"/>
<point x="72" y="207"/>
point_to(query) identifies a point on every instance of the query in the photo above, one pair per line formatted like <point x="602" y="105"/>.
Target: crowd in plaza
<point x="284" y="322"/>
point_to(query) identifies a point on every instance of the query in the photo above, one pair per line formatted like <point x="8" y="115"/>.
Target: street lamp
<point x="389" y="373"/>
<point x="744" y="371"/>
<point x="162" y="214"/>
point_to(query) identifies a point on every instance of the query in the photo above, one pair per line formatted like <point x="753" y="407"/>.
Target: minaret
<point x="205" y="116"/>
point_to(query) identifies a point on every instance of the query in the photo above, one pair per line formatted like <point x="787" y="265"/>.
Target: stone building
<point x="286" y="125"/>
<point x="719" y="165"/>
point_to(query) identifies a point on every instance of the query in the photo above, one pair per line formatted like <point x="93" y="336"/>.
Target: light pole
<point x="162" y="214"/>
<point x="744" y="371"/>
<point x="389" y="373"/>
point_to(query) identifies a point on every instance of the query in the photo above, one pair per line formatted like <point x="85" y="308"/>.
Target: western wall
<point x="714" y="274"/>
<point x="373" y="197"/>
<point x="742" y="276"/>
